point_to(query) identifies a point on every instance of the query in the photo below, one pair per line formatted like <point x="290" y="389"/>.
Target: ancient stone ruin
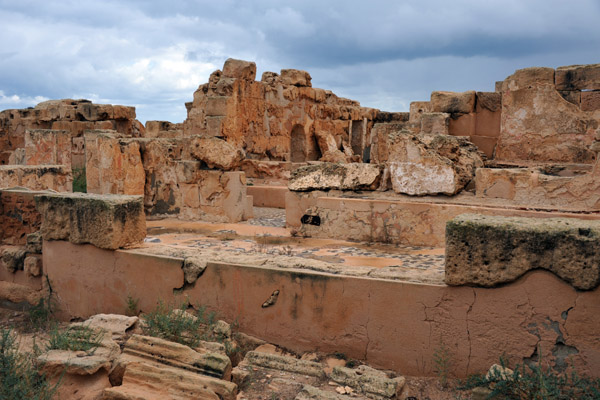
<point x="470" y="223"/>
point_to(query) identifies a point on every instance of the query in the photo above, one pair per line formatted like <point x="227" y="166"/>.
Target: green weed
<point x="535" y="382"/>
<point x="19" y="378"/>
<point x="79" y="180"/>
<point x="442" y="361"/>
<point x="75" y="338"/>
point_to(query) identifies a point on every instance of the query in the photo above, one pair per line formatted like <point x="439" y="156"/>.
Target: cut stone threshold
<point x="389" y="324"/>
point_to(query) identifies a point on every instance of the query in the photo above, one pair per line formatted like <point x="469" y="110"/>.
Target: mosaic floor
<point x="265" y="235"/>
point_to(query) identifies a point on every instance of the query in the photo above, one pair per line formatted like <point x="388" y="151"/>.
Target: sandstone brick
<point x="12" y="258"/>
<point x="216" y="106"/>
<point x="528" y="77"/>
<point x="572" y="96"/>
<point x="437" y="123"/>
<point x="488" y="251"/>
<point x="463" y="125"/>
<point x="491" y="101"/>
<point x="216" y="153"/>
<point x="47" y="147"/>
<point x="578" y="77"/>
<point x="324" y="176"/>
<point x="486" y="144"/>
<point x="452" y="102"/>
<point x="239" y="69"/>
<point x="590" y="101"/>
<point x="32" y="265"/>
<point x="295" y="77"/>
<point x="34" y="177"/>
<point x="106" y="221"/>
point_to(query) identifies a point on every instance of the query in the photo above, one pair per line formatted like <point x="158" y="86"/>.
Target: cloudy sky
<point x="153" y="54"/>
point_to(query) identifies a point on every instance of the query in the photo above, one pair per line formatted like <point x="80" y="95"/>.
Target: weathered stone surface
<point x="528" y="77"/>
<point x="34" y="242"/>
<point x="436" y="123"/>
<point x="370" y="381"/>
<point x="143" y="380"/>
<point x="32" y="265"/>
<point x="488" y="251"/>
<point x="452" y="102"/>
<point x="284" y="363"/>
<point x="113" y="165"/>
<point x="590" y="101"/>
<point x="324" y="176"/>
<point x="106" y="221"/>
<point x="216" y="153"/>
<point x="47" y="147"/>
<point x="491" y="101"/>
<point x="578" y="77"/>
<point x="295" y="77"/>
<point x="429" y="164"/>
<point x="417" y="109"/>
<point x="155" y="368"/>
<point x="312" y="393"/>
<point x="539" y="125"/>
<point x="34" y="177"/>
<point x="19" y="217"/>
<point x="114" y="324"/>
<point x="239" y="69"/>
<point x="174" y="354"/>
<point x="16" y="293"/>
<point x="12" y="257"/>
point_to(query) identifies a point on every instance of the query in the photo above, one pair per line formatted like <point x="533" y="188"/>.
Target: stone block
<point x="572" y="96"/>
<point x="364" y="379"/>
<point x="491" y="101"/>
<point x="528" y="77"/>
<point x="216" y="106"/>
<point x="485" y="144"/>
<point x="32" y="265"/>
<point x="34" y="177"/>
<point x="453" y="102"/>
<point x="295" y="77"/>
<point x="239" y="69"/>
<point x="462" y="125"/>
<point x="113" y="165"/>
<point x="578" y="77"/>
<point x="47" y="147"/>
<point x="438" y="123"/>
<point x="489" y="251"/>
<point x="34" y="242"/>
<point x="325" y="176"/>
<point x="106" y="221"/>
<point x="12" y="258"/>
<point x="216" y="153"/>
<point x="590" y="101"/>
<point x="430" y="163"/>
<point x="213" y="126"/>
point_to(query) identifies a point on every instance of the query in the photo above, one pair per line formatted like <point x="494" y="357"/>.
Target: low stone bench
<point x="488" y="251"/>
<point x="106" y="221"/>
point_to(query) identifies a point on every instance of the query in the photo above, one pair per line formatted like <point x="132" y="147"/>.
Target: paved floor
<point x="265" y="235"/>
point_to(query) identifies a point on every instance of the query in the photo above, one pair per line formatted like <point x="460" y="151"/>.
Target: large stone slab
<point x="216" y="153"/>
<point x="325" y="176"/>
<point x="453" y="102"/>
<point x="430" y="164"/>
<point x="106" y="221"/>
<point x="578" y="77"/>
<point x="488" y="251"/>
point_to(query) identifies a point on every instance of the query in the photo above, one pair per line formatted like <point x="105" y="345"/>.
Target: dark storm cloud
<point x="153" y="54"/>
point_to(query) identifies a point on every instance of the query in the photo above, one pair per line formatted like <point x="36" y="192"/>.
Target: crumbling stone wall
<point x="281" y="117"/>
<point x="550" y="115"/>
<point x="73" y="116"/>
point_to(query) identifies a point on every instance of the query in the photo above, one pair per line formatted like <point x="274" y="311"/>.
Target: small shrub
<point x="19" y="379"/>
<point x="79" y="180"/>
<point x="75" y="338"/>
<point x="174" y="324"/>
<point x="442" y="361"/>
<point x="534" y="382"/>
<point x="41" y="316"/>
<point x="132" y="306"/>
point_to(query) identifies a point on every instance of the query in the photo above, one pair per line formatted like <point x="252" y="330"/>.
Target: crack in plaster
<point x="468" y="330"/>
<point x="367" y="327"/>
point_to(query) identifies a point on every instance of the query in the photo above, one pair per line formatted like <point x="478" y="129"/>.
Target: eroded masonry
<point x="317" y="224"/>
